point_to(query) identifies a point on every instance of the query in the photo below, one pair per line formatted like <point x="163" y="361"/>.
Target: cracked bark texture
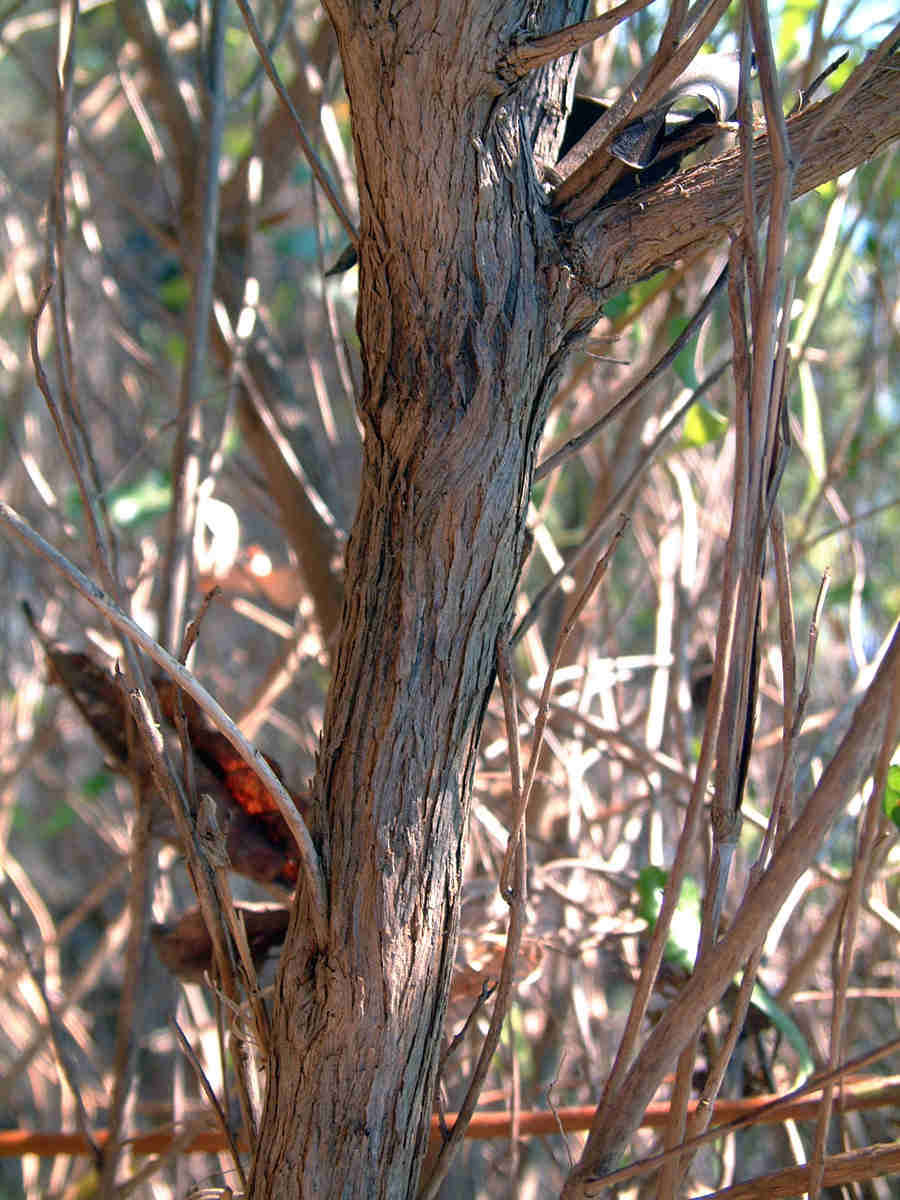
<point x="462" y="319"/>
<point x="471" y="295"/>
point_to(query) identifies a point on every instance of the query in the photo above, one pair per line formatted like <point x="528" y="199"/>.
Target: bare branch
<point x="309" y="859"/>
<point x="63" y="1058"/>
<point x="586" y="160"/>
<point x="203" y="232"/>
<point x="619" y="1115"/>
<point x="522" y="795"/>
<point x="620" y="501"/>
<point x="862" y="870"/>
<point x="155" y="58"/>
<point x="552" y="461"/>
<point x="312" y="158"/>
<point x="616" y="246"/>
<point x="512" y="888"/>
<point x="530" y="55"/>
<point x="855" y="1166"/>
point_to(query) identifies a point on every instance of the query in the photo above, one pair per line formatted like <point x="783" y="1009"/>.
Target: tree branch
<point x="310" y="864"/>
<point x="616" y="246"/>
<point x="533" y="54"/>
<point x="164" y="86"/>
<point x="620" y="1115"/>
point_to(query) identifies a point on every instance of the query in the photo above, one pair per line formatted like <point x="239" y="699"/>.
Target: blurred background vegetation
<point x="279" y="378"/>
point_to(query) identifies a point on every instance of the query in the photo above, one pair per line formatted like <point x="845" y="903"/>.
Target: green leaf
<point x="175" y="293"/>
<point x="787" y="1026"/>
<point x="174" y="349"/>
<point x="794" y="18"/>
<point x="892" y="794"/>
<point x="650" y="885"/>
<point x="842" y="593"/>
<point x="684" y="934"/>
<point x="141" y="500"/>
<point x="684" y="360"/>
<point x="840" y="75"/>
<point x="238" y="142"/>
<point x="617" y="306"/>
<point x="96" y="784"/>
<point x="702" y="425"/>
<point x="58" y="821"/>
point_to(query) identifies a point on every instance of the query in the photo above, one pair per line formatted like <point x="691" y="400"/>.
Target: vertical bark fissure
<point x="461" y="325"/>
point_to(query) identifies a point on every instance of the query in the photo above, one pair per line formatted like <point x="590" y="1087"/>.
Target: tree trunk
<point x="460" y="321"/>
<point x="471" y="295"/>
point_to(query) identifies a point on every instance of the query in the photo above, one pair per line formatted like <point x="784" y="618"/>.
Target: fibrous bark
<point x="462" y="320"/>
<point x="472" y="293"/>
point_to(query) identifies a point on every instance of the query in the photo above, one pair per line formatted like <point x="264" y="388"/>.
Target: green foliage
<point x="96" y="784"/>
<point x="892" y="794"/>
<point x="703" y="425"/>
<point x="632" y="299"/>
<point x="684" y="364"/>
<point x="58" y="821"/>
<point x="787" y="1027"/>
<point x="841" y="593"/>
<point x="140" y="501"/>
<point x="795" y="18"/>
<point x="684" y="933"/>
<point x="237" y="141"/>
<point x="131" y="504"/>
<point x="175" y="293"/>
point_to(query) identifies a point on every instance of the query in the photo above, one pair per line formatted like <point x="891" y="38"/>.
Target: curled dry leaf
<point x="185" y="947"/>
<point x="257" y="838"/>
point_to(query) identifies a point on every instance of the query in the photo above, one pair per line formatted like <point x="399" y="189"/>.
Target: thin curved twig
<point x="309" y="859"/>
<point x="312" y="158"/>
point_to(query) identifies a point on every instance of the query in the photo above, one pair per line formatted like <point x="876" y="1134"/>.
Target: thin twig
<point x="620" y="1113"/>
<point x="813" y="640"/>
<point x="862" y="867"/>
<point x="552" y="461"/>
<point x="487" y="990"/>
<point x="540" y="723"/>
<point x="839" y="1171"/>
<point x="128" y="1018"/>
<point x="514" y="895"/>
<point x="528" y="56"/>
<point x="748" y="173"/>
<point x="213" y="844"/>
<point x="53" y="1027"/>
<point x="212" y="1099"/>
<point x="857" y="80"/>
<point x="312" y="158"/>
<point x="618" y="503"/>
<point x="758" y="471"/>
<point x="584" y="162"/>
<point x="758" y="1116"/>
<point x="309" y="859"/>
<point x="859" y="1094"/>
<point x="783" y="796"/>
<point x="203" y="229"/>
<point x="805" y="96"/>
<point x="135" y="17"/>
<point x="201" y="874"/>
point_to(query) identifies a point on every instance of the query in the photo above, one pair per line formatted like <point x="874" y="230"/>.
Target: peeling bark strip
<point x="467" y="310"/>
